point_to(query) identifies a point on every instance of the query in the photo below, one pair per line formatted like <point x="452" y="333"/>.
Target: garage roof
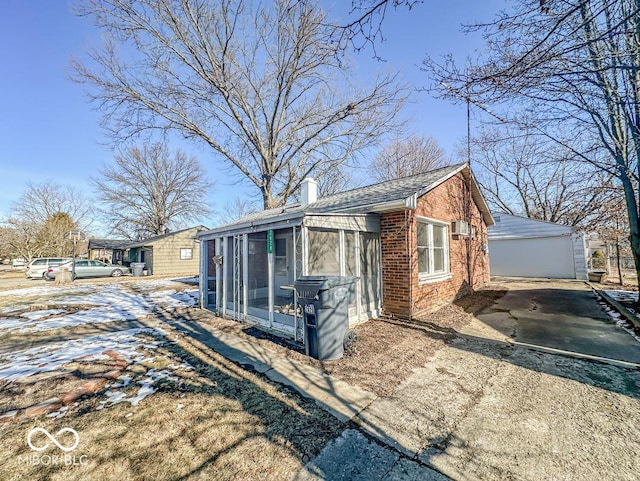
<point x="515" y="227"/>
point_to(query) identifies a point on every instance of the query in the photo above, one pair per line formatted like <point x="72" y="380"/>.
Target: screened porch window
<point x="433" y="249"/>
<point x="324" y="252"/>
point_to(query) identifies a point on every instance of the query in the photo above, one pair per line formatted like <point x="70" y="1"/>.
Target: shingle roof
<point x="108" y="244"/>
<point x="149" y="240"/>
<point x="384" y="192"/>
<point x="359" y="200"/>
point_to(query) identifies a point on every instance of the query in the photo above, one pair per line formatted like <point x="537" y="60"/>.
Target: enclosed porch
<point x="248" y="273"/>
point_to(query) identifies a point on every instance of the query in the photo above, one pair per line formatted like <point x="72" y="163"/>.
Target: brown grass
<point x="234" y="425"/>
<point x="388" y="349"/>
<point x="612" y="281"/>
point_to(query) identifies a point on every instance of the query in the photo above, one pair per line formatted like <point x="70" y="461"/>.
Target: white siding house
<point x="523" y="247"/>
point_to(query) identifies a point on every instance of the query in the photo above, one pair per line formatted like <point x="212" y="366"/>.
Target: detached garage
<point x="523" y="247"/>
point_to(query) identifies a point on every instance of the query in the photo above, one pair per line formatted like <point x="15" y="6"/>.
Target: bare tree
<point x="364" y="25"/>
<point x="40" y="218"/>
<point x="575" y="67"/>
<point x="259" y="83"/>
<point x="237" y="209"/>
<point x="148" y="190"/>
<point x="407" y="156"/>
<point x="526" y="174"/>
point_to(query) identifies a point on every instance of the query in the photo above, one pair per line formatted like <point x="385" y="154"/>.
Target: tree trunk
<point x="618" y="261"/>
<point x="634" y="239"/>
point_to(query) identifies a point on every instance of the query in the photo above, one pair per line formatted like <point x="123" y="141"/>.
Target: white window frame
<point x="185" y="250"/>
<point x="430" y="275"/>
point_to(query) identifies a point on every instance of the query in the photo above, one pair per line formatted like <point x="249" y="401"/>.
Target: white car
<point x="37" y="268"/>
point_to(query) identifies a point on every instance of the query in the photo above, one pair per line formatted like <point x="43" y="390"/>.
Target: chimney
<point x="309" y="191"/>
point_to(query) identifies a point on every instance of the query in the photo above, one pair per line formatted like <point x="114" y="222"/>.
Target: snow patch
<point x="48" y="358"/>
<point x="147" y="387"/>
<point x="619" y="320"/>
<point x="36" y="315"/>
<point x="113" y="304"/>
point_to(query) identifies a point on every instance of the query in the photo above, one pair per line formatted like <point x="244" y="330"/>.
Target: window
<point x="324" y="252"/>
<point x="281" y="256"/>
<point x="186" y="253"/>
<point x="433" y="248"/>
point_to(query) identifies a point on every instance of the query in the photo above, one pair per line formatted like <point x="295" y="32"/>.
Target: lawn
<point x="145" y="403"/>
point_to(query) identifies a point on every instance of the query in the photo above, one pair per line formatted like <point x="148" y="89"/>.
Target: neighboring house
<point x="173" y="253"/>
<point x="405" y="239"/>
<point x="168" y="254"/>
<point x="523" y="247"/>
<point x="108" y="250"/>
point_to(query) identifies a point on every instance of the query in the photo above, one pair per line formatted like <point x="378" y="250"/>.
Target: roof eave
<point x="248" y="226"/>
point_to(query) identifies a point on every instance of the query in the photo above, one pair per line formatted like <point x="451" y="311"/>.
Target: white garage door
<point x="541" y="257"/>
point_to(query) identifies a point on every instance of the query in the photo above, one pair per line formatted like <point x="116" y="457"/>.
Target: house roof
<point x="151" y="240"/>
<point x="385" y="196"/>
<point x="108" y="244"/>
<point x="509" y="226"/>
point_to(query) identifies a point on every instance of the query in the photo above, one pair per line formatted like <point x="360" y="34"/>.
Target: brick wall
<point x="396" y="261"/>
<point x="404" y="294"/>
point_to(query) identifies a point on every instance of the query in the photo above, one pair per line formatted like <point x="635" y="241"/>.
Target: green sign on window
<point x="270" y="242"/>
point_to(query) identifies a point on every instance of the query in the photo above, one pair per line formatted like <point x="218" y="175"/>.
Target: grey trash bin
<point x="136" y="268"/>
<point x="325" y="308"/>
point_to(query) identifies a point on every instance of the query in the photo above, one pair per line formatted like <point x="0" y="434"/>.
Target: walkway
<point x="532" y="389"/>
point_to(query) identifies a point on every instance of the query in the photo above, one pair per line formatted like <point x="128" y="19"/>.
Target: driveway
<point x="539" y="386"/>
<point x="560" y="315"/>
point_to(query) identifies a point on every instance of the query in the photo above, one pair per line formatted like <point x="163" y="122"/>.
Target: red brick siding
<point x="404" y="295"/>
<point x="396" y="259"/>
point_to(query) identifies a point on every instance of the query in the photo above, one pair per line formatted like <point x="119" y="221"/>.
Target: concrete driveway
<point x="540" y="386"/>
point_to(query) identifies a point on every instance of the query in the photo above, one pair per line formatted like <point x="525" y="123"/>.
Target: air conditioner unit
<point x="461" y="227"/>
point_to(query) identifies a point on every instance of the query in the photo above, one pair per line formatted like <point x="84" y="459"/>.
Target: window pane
<point x="438" y="260"/>
<point x="323" y="252"/>
<point x="370" y="270"/>
<point x="422" y="234"/>
<point x="423" y="260"/>
<point x="281" y="246"/>
<point x="258" y="263"/>
<point x="439" y="233"/>
<point x="350" y="253"/>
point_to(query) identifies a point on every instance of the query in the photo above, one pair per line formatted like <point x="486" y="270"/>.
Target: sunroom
<point x="249" y="268"/>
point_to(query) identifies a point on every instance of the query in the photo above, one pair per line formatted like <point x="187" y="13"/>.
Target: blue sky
<point x="50" y="131"/>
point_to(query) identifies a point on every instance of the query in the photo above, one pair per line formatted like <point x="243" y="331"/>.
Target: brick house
<point x="414" y="243"/>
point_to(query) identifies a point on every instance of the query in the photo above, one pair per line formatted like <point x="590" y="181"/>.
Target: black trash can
<point x="325" y="308"/>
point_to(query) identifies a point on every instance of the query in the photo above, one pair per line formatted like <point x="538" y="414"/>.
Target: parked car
<point x="85" y="268"/>
<point x="37" y="268"/>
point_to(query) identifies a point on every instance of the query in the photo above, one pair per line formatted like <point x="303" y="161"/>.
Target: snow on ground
<point x="37" y="315"/>
<point x="620" y="321"/>
<point x="623" y="296"/>
<point x="147" y="387"/>
<point x="46" y="290"/>
<point x="109" y="303"/>
<point x="18" y="365"/>
<point x="113" y="303"/>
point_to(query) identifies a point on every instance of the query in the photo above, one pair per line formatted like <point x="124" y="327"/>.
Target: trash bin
<point x="325" y="309"/>
<point x="136" y="268"/>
